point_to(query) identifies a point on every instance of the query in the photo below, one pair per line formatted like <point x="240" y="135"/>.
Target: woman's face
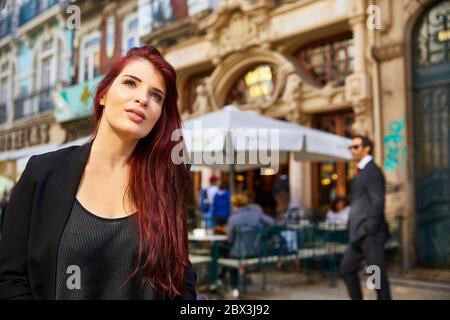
<point x="340" y="205"/>
<point x="133" y="103"/>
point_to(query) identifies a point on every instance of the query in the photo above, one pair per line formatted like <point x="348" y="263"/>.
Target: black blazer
<point x="38" y="210"/>
<point x="367" y="205"/>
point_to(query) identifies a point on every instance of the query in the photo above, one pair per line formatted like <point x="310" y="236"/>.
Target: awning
<point x="21" y="162"/>
<point x="23" y="155"/>
<point x="19" y="153"/>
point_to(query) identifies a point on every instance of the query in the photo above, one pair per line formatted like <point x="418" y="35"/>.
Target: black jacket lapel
<point x="69" y="180"/>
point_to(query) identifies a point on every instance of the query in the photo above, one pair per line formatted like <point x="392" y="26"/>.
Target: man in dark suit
<point x="368" y="230"/>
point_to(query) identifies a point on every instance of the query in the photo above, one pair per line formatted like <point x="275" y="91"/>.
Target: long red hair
<point x="157" y="186"/>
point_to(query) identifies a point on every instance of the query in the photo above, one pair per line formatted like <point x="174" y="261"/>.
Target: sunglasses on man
<point x="355" y="146"/>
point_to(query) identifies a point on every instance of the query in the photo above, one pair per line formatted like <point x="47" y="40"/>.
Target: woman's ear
<point x="102" y="101"/>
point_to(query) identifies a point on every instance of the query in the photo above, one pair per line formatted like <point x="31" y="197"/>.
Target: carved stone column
<point x="298" y="180"/>
<point x="357" y="85"/>
<point x="363" y="118"/>
<point x="358" y="26"/>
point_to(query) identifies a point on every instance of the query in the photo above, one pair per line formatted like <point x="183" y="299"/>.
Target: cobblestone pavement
<point x="284" y="285"/>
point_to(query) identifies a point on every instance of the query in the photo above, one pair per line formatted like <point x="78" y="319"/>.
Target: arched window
<point x="46" y="75"/>
<point x="329" y="60"/>
<point x="89" y="57"/>
<point x="256" y="84"/>
<point x="48" y="62"/>
<point x="130" y="33"/>
<point x="110" y="36"/>
<point x="47" y="70"/>
<point x="431" y="114"/>
<point x="432" y="36"/>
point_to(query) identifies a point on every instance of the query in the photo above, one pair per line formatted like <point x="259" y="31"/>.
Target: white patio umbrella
<point x="234" y="140"/>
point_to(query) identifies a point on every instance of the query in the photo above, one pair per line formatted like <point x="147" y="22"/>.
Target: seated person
<point x="291" y="216"/>
<point x="243" y="215"/>
<point x="338" y="214"/>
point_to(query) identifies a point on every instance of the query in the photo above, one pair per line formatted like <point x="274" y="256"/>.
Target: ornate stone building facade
<point x="35" y="60"/>
<point x="378" y="67"/>
<point x="341" y="66"/>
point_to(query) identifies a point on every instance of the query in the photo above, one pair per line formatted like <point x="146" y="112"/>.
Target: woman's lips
<point x="135" y="115"/>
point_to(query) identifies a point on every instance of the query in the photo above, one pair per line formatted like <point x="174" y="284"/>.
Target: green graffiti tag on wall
<point x="396" y="150"/>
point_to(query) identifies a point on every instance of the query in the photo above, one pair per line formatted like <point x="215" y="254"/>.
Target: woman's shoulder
<point x="52" y="159"/>
<point x="56" y="155"/>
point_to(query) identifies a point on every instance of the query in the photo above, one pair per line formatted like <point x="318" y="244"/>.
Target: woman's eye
<point x="130" y="83"/>
<point x="157" y="97"/>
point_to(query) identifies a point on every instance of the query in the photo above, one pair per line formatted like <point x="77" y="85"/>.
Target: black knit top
<point x="95" y="257"/>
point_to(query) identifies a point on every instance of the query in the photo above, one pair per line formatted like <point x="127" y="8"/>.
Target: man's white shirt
<point x="364" y="161"/>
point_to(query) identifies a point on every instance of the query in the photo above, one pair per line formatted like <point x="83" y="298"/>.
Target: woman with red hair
<point x="106" y="220"/>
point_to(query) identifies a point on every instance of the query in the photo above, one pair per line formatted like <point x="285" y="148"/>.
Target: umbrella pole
<point x="231" y="178"/>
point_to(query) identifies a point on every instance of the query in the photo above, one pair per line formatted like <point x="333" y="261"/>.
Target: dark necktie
<point x="358" y="171"/>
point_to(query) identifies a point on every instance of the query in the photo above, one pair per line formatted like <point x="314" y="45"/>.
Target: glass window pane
<point x="133" y="25"/>
<point x="46" y="73"/>
<point x="92" y="43"/>
<point x="96" y="64"/>
<point x="254" y="85"/>
<point x="130" y="43"/>
<point x="432" y="36"/>
<point x="3" y="90"/>
<point x="86" y="69"/>
<point x="329" y="60"/>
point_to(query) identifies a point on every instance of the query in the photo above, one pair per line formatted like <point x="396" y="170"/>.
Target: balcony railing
<point x="35" y="103"/>
<point x="3" y="114"/>
<point x="33" y="8"/>
<point x="5" y="26"/>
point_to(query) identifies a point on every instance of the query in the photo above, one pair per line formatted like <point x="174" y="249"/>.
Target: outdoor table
<point x="206" y="242"/>
<point x="331" y="227"/>
<point x="207" y="237"/>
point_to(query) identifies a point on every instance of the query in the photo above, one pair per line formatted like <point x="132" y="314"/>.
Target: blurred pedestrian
<point x="221" y="208"/>
<point x="368" y="230"/>
<point x="206" y="202"/>
<point x="338" y="213"/>
<point x="282" y="199"/>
